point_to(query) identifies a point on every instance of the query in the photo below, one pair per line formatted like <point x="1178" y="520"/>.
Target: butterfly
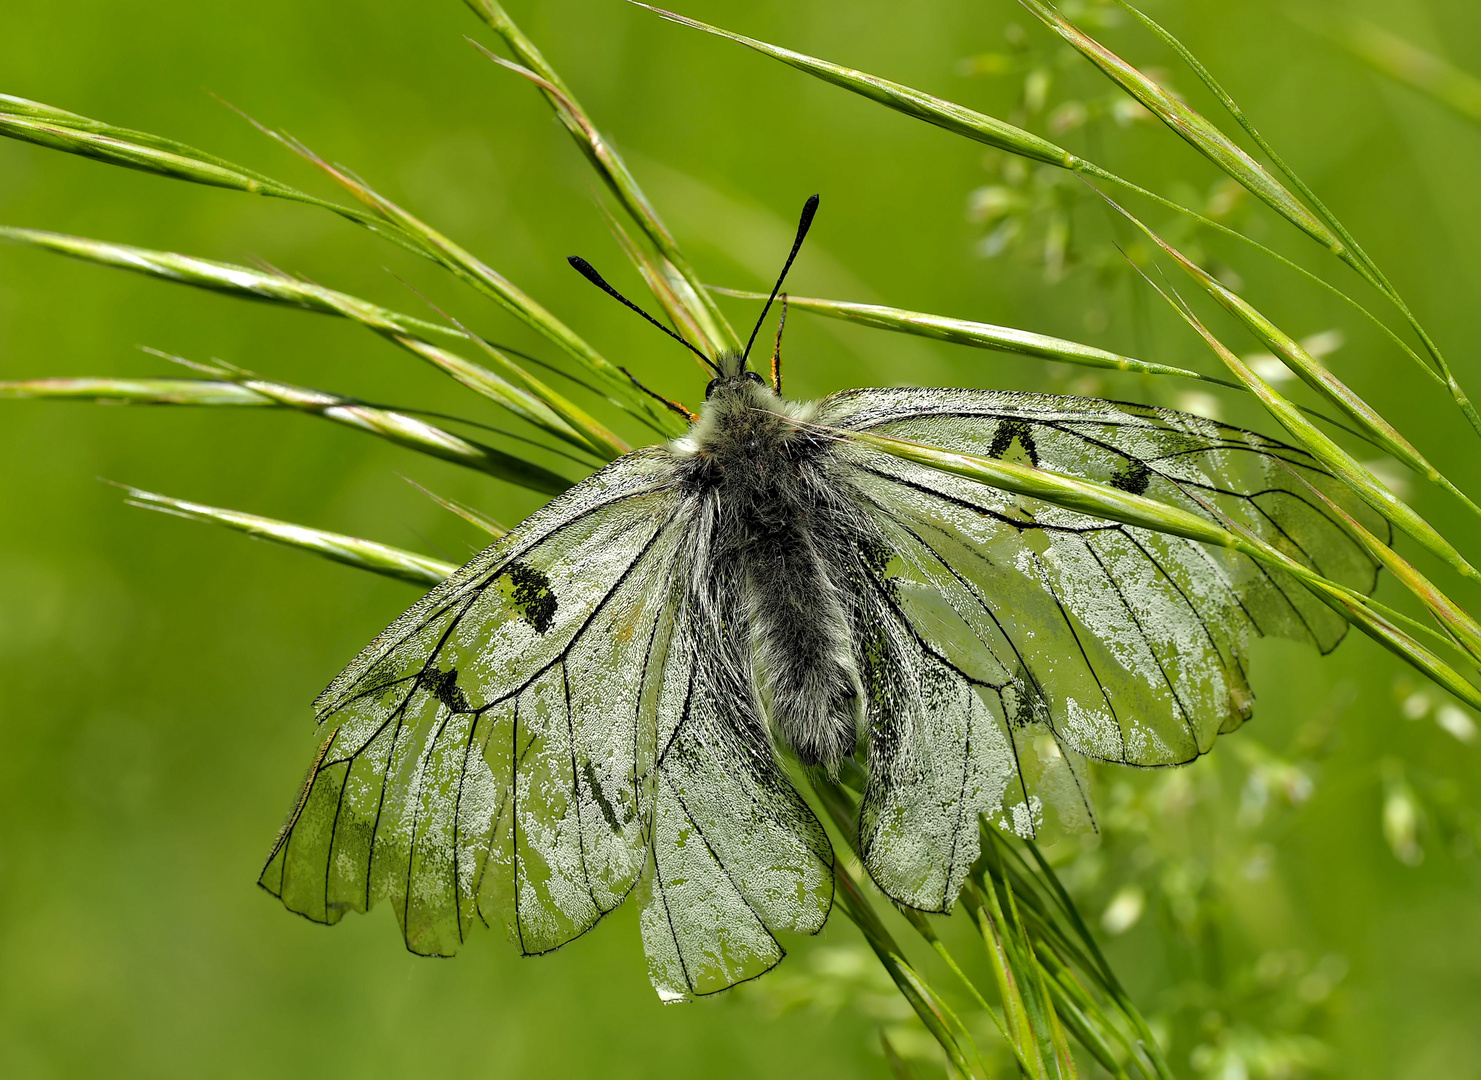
<point x="613" y="698"/>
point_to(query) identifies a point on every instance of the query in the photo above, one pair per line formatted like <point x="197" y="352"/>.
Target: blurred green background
<point x="155" y="675"/>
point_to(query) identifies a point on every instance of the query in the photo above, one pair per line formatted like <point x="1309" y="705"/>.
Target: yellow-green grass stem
<point x="980" y="127"/>
<point x="464" y="265"/>
<point x="668" y="286"/>
<point x="610" y="166"/>
<point x="1457" y="622"/>
<point x="1310" y="370"/>
<point x="389" y="424"/>
<point x="351" y="550"/>
<point x="1001" y="339"/>
<point x="57" y="129"/>
<point x="1321" y="225"/>
<point x="1289" y="416"/>
<point x="531" y="400"/>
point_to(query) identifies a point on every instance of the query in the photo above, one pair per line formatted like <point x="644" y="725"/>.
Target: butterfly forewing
<point x="485" y="753"/>
<point x="1074" y="635"/>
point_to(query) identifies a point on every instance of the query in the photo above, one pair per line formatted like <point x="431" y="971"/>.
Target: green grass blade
<point x="938" y="1018"/>
<point x="478" y="520"/>
<point x="396" y="427"/>
<point x="567" y="422"/>
<point x="1461" y="626"/>
<point x="1321" y="225"/>
<point x="610" y="166"/>
<point x="1404" y="62"/>
<point x="934" y="110"/>
<point x="669" y="287"/>
<point x="999" y="338"/>
<point x="1373" y="272"/>
<point x="1337" y="460"/>
<point x="136" y="391"/>
<point x="898" y="1069"/>
<point x="514" y="300"/>
<point x="975" y="334"/>
<point x="1194" y="128"/>
<point x="1310" y="370"/>
<point x="350" y="550"/>
<point x="56" y="129"/>
<point x="948" y="1030"/>
<point x="987" y="129"/>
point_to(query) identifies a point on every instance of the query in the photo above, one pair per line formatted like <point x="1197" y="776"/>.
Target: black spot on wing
<point x="444" y="686"/>
<point x="609" y="813"/>
<point x="532" y="595"/>
<point x="1133" y="477"/>
<point x="1011" y="431"/>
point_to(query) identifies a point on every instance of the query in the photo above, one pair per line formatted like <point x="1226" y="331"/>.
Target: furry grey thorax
<point x="782" y="531"/>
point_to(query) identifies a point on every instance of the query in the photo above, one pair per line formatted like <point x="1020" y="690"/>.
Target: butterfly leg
<point x="776" y="355"/>
<point x="669" y="403"/>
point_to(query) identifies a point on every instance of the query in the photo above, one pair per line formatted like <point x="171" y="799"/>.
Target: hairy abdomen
<point x="801" y="648"/>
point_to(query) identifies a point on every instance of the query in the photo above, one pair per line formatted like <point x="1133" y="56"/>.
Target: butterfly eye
<point x="754" y="377"/>
<point x="711" y="388"/>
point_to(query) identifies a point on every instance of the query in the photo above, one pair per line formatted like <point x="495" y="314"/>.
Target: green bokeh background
<point x="155" y="676"/>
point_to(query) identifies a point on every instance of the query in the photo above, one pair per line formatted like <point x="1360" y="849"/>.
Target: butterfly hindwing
<point x="954" y="722"/>
<point x="736" y="854"/>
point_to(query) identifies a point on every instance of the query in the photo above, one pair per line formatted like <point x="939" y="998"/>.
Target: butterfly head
<point x="741" y="383"/>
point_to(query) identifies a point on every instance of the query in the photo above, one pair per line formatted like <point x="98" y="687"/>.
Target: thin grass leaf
<point x="1310" y="370"/>
<point x="463" y="510"/>
<point x="350" y="550"/>
<point x="1015" y="1011"/>
<point x="982" y="128"/>
<point x="568" y="423"/>
<point x="1030" y="977"/>
<point x="898" y="1069"/>
<point x="1197" y="131"/>
<point x="938" y="1018"/>
<point x="1317" y="221"/>
<point x="610" y="166"/>
<point x="488" y="281"/>
<point x="57" y="129"/>
<point x="135" y="391"/>
<point x="1002" y="339"/>
<point x="975" y="334"/>
<point x="666" y="285"/>
<point x="1460" y="625"/>
<point x="1097" y="966"/>
<point x="1081" y="1012"/>
<point x="1403" y="61"/>
<point x="1342" y="464"/>
<point x="395" y="427"/>
<point x="843" y="810"/>
<point x="934" y="110"/>
<point x="1059" y="928"/>
<point x="1113" y="504"/>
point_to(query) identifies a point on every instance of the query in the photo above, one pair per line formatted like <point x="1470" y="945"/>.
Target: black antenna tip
<point x="809" y="209"/>
<point x="589" y="272"/>
<point x="585" y="269"/>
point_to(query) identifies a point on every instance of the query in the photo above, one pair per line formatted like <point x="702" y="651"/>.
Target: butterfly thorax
<point x="777" y="521"/>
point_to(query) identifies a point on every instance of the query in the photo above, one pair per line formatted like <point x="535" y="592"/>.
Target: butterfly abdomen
<point x="777" y="516"/>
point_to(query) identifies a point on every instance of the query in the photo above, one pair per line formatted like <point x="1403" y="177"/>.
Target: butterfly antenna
<point x="586" y="270"/>
<point x="809" y="208"/>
